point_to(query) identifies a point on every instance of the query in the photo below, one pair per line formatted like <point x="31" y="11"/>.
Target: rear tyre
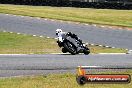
<point x="86" y="52"/>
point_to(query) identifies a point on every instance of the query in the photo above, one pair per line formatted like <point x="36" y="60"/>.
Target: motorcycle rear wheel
<point x="86" y="52"/>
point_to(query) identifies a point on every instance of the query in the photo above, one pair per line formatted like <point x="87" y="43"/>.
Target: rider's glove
<point x="69" y="34"/>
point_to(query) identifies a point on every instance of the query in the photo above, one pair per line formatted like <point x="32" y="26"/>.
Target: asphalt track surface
<point x="45" y="64"/>
<point x="88" y="33"/>
<point x="16" y="65"/>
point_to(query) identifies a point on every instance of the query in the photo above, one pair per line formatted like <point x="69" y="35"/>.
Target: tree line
<point x="72" y="3"/>
<point x="35" y="2"/>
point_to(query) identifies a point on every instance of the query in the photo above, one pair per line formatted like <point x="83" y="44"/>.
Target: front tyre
<point x="64" y="50"/>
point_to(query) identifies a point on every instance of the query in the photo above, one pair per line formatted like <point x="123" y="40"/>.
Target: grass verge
<point x="12" y="43"/>
<point x="26" y="44"/>
<point x="84" y="15"/>
<point x="65" y="80"/>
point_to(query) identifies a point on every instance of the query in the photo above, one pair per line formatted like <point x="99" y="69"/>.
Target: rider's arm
<point x="74" y="36"/>
<point x="60" y="37"/>
<point x="71" y="34"/>
<point x="60" y="40"/>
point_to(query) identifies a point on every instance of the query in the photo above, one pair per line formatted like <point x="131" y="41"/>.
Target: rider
<point x="59" y="33"/>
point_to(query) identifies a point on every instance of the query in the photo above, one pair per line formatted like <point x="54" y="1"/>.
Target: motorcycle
<point x="72" y="45"/>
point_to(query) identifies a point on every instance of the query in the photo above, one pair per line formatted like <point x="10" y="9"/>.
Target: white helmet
<point x="58" y="31"/>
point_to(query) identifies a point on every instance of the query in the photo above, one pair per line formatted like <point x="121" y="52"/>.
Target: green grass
<point x="97" y="49"/>
<point x="12" y="43"/>
<point x="65" y="80"/>
<point x="84" y="15"/>
<point x="26" y="44"/>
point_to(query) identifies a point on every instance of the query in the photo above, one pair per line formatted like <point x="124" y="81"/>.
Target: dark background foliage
<point x="115" y="4"/>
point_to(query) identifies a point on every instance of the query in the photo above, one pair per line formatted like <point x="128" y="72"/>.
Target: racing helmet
<point x="58" y="31"/>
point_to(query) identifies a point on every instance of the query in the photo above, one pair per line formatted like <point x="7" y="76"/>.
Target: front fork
<point x="59" y="43"/>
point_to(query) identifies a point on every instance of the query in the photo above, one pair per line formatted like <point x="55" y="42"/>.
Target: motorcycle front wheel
<point x="64" y="50"/>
